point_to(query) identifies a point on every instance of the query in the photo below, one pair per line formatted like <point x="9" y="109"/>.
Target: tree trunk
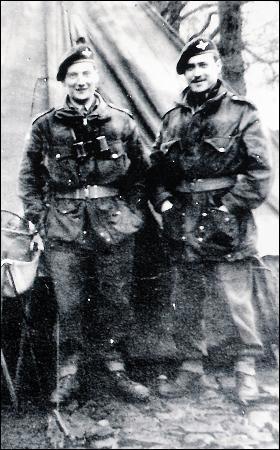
<point x="231" y="44"/>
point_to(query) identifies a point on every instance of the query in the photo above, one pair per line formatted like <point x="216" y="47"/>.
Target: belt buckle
<point x="86" y="191"/>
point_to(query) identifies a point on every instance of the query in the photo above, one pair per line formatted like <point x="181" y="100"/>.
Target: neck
<point x="198" y="98"/>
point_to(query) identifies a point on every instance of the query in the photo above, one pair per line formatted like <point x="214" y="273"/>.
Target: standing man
<point x="210" y="168"/>
<point x="81" y="182"/>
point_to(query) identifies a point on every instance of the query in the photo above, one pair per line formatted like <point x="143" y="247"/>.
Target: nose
<point x="81" y="80"/>
<point x="197" y="71"/>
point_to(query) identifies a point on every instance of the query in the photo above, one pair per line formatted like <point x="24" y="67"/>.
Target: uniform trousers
<point x="213" y="306"/>
<point x="92" y="289"/>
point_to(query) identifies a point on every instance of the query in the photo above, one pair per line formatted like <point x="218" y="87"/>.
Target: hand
<point x="223" y="208"/>
<point x="37" y="241"/>
<point x="166" y="206"/>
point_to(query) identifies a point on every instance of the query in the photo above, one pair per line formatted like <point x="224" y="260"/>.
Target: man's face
<point x="202" y="72"/>
<point x="81" y="81"/>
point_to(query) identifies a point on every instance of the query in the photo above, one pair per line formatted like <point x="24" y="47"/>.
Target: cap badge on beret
<point x="202" y="45"/>
<point x="87" y="52"/>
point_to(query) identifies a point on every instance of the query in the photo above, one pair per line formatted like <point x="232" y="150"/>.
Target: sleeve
<point x="31" y="177"/>
<point x="253" y="185"/>
<point x="157" y="190"/>
<point x="133" y="185"/>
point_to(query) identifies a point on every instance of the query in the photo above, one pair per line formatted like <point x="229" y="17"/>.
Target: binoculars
<point x="98" y="148"/>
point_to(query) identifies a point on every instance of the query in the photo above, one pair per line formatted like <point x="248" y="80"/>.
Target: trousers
<point x="213" y="306"/>
<point x="92" y="290"/>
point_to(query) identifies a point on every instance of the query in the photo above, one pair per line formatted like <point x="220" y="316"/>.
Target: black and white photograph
<point x="140" y="224"/>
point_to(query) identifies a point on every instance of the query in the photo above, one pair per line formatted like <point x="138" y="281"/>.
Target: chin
<point x="81" y="98"/>
<point x="199" y="89"/>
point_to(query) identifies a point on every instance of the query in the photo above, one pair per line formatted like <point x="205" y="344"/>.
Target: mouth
<point x="197" y="81"/>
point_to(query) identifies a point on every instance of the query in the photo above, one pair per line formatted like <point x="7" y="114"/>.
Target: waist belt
<point x="89" y="192"/>
<point x="206" y="184"/>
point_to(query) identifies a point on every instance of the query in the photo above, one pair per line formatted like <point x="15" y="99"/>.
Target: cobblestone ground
<point x="214" y="421"/>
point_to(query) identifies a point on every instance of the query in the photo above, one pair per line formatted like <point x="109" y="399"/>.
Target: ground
<point x="214" y="421"/>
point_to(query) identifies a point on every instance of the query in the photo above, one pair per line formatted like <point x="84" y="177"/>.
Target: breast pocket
<point x="221" y="144"/>
<point x="61" y="165"/>
<point x="116" y="162"/>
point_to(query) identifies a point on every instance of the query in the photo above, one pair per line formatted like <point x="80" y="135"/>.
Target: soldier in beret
<point x="81" y="183"/>
<point x="210" y="168"/>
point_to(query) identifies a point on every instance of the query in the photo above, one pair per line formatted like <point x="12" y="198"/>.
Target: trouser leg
<point x="235" y="281"/>
<point x="112" y="314"/>
<point x="110" y="306"/>
<point x="67" y="270"/>
<point x="188" y="302"/>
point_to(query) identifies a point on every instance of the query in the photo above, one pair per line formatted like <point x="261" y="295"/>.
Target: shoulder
<point x="235" y="98"/>
<point x="42" y="115"/>
<point x="123" y="110"/>
<point x="171" y="111"/>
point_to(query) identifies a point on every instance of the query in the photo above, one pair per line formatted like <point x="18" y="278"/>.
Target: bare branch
<point x="260" y="58"/>
<point x="199" y="8"/>
<point x="206" y="25"/>
<point x="214" y="33"/>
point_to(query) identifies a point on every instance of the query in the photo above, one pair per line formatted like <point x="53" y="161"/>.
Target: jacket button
<point x="204" y="214"/>
<point x="183" y="214"/>
<point x="64" y="211"/>
<point x="101" y="234"/>
<point x="57" y="155"/>
<point x="222" y="149"/>
<point x="201" y="227"/>
<point x="229" y="256"/>
<point x="200" y="239"/>
<point x="114" y="155"/>
<point x="183" y="238"/>
<point x="227" y="219"/>
<point x="84" y="232"/>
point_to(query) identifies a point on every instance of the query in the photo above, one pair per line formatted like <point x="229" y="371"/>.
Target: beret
<point x="77" y="53"/>
<point x="197" y="46"/>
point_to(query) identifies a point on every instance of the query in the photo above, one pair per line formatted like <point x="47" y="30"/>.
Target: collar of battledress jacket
<point x="70" y="115"/>
<point x="214" y="96"/>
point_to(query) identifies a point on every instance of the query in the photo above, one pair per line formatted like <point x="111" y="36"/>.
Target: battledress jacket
<point x="52" y="169"/>
<point x="203" y="159"/>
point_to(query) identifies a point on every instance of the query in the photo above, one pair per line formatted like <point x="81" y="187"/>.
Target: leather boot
<point x="125" y="386"/>
<point x="68" y="383"/>
<point x="246" y="384"/>
<point x="188" y="380"/>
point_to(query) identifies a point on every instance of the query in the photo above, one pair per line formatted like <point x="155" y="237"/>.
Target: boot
<point x="188" y="381"/>
<point x="124" y="385"/>
<point x="246" y="385"/>
<point x="68" y="383"/>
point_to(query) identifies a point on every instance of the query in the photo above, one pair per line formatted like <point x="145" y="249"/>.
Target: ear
<point x="219" y="65"/>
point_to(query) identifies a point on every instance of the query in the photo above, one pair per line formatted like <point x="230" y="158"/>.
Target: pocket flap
<point x="220" y="143"/>
<point x="116" y="148"/>
<point x="169" y="145"/>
